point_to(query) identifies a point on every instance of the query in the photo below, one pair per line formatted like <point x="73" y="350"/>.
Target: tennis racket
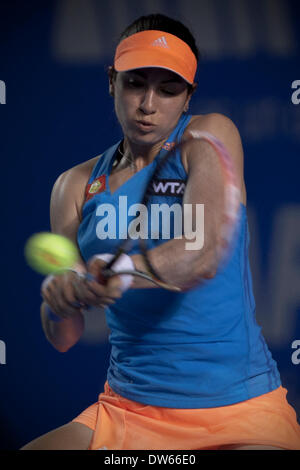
<point x="230" y="209"/>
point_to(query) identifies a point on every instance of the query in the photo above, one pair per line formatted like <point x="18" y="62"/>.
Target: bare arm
<point x="64" y="334"/>
<point x="63" y="291"/>
<point x="177" y="264"/>
<point x="65" y="203"/>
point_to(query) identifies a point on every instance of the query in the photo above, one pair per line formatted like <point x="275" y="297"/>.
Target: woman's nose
<point x="148" y="102"/>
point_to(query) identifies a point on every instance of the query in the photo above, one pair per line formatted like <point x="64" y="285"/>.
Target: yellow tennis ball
<point x="49" y="253"/>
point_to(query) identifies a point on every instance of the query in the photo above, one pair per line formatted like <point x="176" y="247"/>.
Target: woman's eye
<point x="134" y="83"/>
<point x="168" y="92"/>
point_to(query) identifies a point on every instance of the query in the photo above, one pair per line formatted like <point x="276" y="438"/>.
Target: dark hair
<point x="162" y="23"/>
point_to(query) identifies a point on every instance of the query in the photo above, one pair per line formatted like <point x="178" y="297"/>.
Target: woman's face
<point x="148" y="103"/>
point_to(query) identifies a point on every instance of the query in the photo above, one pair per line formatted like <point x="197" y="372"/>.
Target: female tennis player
<point x="190" y="369"/>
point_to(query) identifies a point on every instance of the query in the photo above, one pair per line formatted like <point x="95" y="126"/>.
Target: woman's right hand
<point x="63" y="293"/>
<point x="70" y="293"/>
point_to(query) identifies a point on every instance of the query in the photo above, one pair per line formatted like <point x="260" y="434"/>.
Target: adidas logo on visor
<point x="161" y="42"/>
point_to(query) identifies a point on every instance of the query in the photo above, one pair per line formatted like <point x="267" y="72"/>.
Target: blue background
<point x="58" y="113"/>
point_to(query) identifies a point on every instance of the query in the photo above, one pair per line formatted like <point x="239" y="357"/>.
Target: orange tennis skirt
<point x="122" y="424"/>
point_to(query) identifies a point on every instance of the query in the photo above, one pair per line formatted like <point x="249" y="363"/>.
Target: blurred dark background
<point x="56" y="112"/>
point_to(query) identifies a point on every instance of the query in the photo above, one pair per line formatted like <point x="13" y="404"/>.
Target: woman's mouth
<point x="144" y="125"/>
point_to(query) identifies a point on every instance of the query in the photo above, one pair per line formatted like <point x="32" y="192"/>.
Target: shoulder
<point x="78" y="173"/>
<point x="224" y="129"/>
<point x="70" y="185"/>
<point x="221" y="127"/>
<point x="217" y="124"/>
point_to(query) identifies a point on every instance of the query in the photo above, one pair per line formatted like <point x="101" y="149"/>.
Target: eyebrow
<point x="141" y="74"/>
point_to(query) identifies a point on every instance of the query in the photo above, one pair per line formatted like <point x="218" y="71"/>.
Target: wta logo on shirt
<point x="96" y="187"/>
<point x="167" y="187"/>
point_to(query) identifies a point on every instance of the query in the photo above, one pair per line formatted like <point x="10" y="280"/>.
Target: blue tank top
<point x="197" y="349"/>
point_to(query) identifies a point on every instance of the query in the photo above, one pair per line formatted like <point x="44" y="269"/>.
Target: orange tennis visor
<point x="156" y="49"/>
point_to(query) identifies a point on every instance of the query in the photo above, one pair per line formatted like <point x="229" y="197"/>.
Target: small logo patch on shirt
<point x="168" y="145"/>
<point x="96" y="187"/>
